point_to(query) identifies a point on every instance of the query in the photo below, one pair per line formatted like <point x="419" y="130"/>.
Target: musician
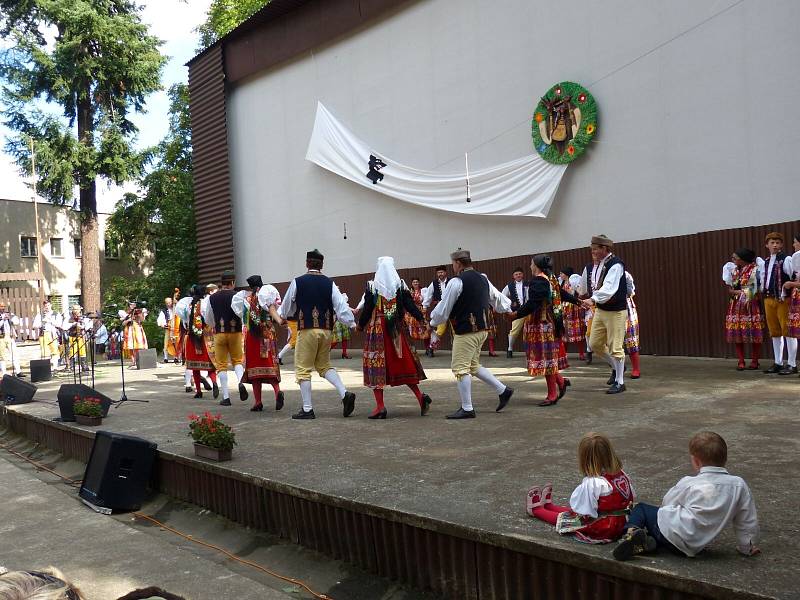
<point x="8" y="335"/>
<point x="78" y="328"/>
<point x="47" y="323"/>
<point x="100" y="337"/>
<point x="170" y="323"/>
<point x="133" y="335"/>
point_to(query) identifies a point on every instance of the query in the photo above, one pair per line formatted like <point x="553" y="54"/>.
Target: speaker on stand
<point x="16" y="391"/>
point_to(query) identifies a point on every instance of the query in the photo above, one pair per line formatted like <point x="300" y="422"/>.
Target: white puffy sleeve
<point x="727" y="272"/>
<point x="796" y="262"/>
<point x="499" y="302"/>
<point x="161" y="321"/>
<point x="788" y="262"/>
<point x="268" y="296"/>
<point x="238" y="302"/>
<point x="122" y="314"/>
<point x="37" y="321"/>
<point x="575" y="282"/>
<point x="629" y="283"/>
<point x="760" y="272"/>
<point x="182" y="309"/>
<point x="583" y="500"/>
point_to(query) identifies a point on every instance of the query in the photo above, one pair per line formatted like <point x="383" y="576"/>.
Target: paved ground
<point x="476" y="472"/>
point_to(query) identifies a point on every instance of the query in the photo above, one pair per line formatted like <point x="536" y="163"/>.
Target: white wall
<point x="696" y="127"/>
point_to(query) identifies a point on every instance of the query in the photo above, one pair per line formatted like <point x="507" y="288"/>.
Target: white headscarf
<point x="387" y="281"/>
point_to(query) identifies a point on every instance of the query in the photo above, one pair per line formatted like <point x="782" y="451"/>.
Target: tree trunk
<point x="90" y="261"/>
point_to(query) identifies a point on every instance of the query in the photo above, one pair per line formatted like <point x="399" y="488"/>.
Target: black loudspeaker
<point x="16" y="391"/>
<point x="118" y="471"/>
<point x="40" y="370"/>
<point x="66" y="399"/>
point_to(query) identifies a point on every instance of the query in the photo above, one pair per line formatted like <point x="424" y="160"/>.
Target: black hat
<point x="568" y="271"/>
<point x="746" y="254"/>
<point x="228" y="276"/>
<point x="254" y="281"/>
<point x="198" y="290"/>
<point x="314" y="255"/>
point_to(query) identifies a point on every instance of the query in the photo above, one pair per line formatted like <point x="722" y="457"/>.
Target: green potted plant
<point x="88" y="411"/>
<point x="212" y="438"/>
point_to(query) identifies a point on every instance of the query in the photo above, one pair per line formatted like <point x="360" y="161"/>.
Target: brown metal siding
<point x="210" y="165"/>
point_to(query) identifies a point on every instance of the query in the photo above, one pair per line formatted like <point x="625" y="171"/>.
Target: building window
<point x="55" y="303"/>
<point x="27" y="247"/>
<point x="55" y="247"/>
<point x="78" y="247"/>
<point x="72" y="301"/>
<point x="112" y="249"/>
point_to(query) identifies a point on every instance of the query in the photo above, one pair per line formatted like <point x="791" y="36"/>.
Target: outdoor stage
<point x="440" y="504"/>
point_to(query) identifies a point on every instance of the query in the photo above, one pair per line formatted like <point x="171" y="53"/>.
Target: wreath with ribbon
<point x="564" y="122"/>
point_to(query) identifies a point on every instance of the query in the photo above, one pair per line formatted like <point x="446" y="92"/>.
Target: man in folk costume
<point x="78" y="328"/>
<point x="133" y="335"/>
<point x="793" y="292"/>
<point x="465" y="301"/>
<point x="190" y="312"/>
<point x="631" y="342"/>
<point x="258" y="310"/>
<point x="218" y="312"/>
<point x="169" y="322"/>
<point x="610" y="301"/>
<point x="778" y="270"/>
<point x="291" y="340"/>
<point x="431" y="296"/>
<point x="313" y="300"/>
<point x="48" y="324"/>
<point x="516" y="290"/>
<point x="584" y="290"/>
<point x="8" y="334"/>
<point x="388" y="359"/>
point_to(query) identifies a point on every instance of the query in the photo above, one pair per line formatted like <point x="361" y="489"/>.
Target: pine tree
<point x="224" y="16"/>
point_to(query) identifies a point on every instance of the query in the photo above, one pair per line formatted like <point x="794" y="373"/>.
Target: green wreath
<point x="568" y="100"/>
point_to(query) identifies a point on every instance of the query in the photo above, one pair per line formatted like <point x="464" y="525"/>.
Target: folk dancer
<point x="258" y="310"/>
<point x="341" y="333"/>
<point x="218" y="313"/>
<point x="609" y="300"/>
<point x="793" y="293"/>
<point x="388" y="359"/>
<point x="417" y="330"/>
<point x="744" y="323"/>
<point x="431" y="296"/>
<point x="631" y="342"/>
<point x="291" y="340"/>
<point x="517" y="291"/>
<point x="133" y="335"/>
<point x="574" y="315"/>
<point x="544" y="327"/>
<point x="190" y="312"/>
<point x="78" y="328"/>
<point x="313" y="299"/>
<point x="47" y="324"/>
<point x="778" y="270"/>
<point x="170" y="323"/>
<point x="465" y="301"/>
<point x="584" y="290"/>
<point x="8" y="333"/>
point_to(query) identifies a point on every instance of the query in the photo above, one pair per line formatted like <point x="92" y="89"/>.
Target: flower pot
<point x="211" y="453"/>
<point x="87" y="420"/>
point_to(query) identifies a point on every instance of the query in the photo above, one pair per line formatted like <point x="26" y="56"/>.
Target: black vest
<point x="469" y="312"/>
<point x="437" y="289"/>
<point x="619" y="301"/>
<point x="777" y="278"/>
<point x="516" y="302"/>
<point x="314" y="303"/>
<point x="225" y="320"/>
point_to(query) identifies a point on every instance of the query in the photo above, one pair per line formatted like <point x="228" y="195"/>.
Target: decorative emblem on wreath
<point x="564" y="122"/>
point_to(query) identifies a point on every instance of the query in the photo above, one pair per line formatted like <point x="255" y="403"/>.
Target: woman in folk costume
<point x="544" y="328"/>
<point x="258" y="310"/>
<point x="792" y="290"/>
<point x="341" y="333"/>
<point x="388" y="359"/>
<point x="417" y="330"/>
<point x="195" y="352"/>
<point x="744" y="322"/>
<point x="631" y="343"/>
<point x="133" y="335"/>
<point x="574" y="315"/>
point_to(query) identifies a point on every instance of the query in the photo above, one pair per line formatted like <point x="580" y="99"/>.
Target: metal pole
<point x="36" y="216"/>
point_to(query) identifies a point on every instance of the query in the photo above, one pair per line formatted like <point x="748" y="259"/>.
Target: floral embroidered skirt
<point x="383" y="364"/>
<point x="416" y="329"/>
<point x="794" y="314"/>
<point x="543" y="346"/>
<point x="340" y="332"/>
<point x="261" y="357"/>
<point x="744" y="323"/>
<point x="574" y="323"/>
<point x="134" y="337"/>
<point x="631" y="343"/>
<point x="196" y="354"/>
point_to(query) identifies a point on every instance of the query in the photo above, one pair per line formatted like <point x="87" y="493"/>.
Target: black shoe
<point x="775" y="368"/>
<point x="588" y="358"/>
<point x="562" y="389"/>
<point x="187" y="389"/>
<point x="378" y="415"/>
<point x="612" y="379"/>
<point x="636" y="542"/>
<point x="616" y="388"/>
<point x="348" y="404"/>
<point x="225" y="402"/>
<point x="432" y="355"/>
<point x="198" y="395"/>
<point x="787" y="370"/>
<point x="462" y="414"/>
<point x="242" y="392"/>
<point x="22" y="375"/>
<point x="280" y="361"/>
<point x="426" y="405"/>
<point x="257" y="407"/>
<point x="279" y="401"/>
<point x="509" y="354"/>
<point x="301" y="414"/>
<point x="215" y="391"/>
<point x="427" y="351"/>
<point x="206" y="384"/>
<point x="504" y="398"/>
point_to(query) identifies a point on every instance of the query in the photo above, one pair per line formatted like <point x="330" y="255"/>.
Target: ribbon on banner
<point x="522" y="187"/>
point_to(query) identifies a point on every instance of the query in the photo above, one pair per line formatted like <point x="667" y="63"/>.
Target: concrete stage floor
<point x="475" y="473"/>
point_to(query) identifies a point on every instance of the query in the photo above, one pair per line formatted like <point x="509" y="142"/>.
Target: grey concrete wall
<point x="695" y="132"/>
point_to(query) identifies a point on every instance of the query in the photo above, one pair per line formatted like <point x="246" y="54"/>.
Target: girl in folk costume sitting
<point x="195" y="352"/>
<point x="631" y="342"/>
<point x="598" y="506"/>
<point x="544" y="327"/>
<point x="258" y="310"/>
<point x="341" y="333"/>
<point x="574" y="314"/>
<point x="792" y="290"/>
<point x="388" y="359"/>
<point x="744" y="322"/>
<point x="133" y="335"/>
<point x="417" y="330"/>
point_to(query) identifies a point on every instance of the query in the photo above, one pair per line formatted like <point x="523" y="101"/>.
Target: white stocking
<point x="465" y="391"/>
<point x="510" y="342"/>
<point x="619" y="368"/>
<point x="284" y="351"/>
<point x="791" y="350"/>
<point x="223" y="383"/>
<point x="239" y="370"/>
<point x="777" y="349"/>
<point x="305" y="394"/>
<point x="187" y="378"/>
<point x="486" y="377"/>
<point x="333" y="378"/>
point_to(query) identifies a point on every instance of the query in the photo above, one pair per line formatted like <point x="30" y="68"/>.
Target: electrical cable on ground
<point x="187" y="537"/>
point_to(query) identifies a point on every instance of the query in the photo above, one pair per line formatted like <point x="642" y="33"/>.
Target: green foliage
<point x="581" y="99"/>
<point x="209" y="430"/>
<point x="224" y="16"/>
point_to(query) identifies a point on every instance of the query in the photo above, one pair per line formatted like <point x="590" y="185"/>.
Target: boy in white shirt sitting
<point x="697" y="509"/>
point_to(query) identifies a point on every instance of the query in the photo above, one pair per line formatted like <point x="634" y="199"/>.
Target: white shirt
<point x="522" y="291"/>
<point x="427" y="293"/>
<point x="610" y="283"/>
<point x="699" y="507"/>
<point x="451" y="293"/>
<point x="340" y="307"/>
<point x="6" y="324"/>
<point x="101" y="335"/>
<point x="585" y="497"/>
<point x="787" y="267"/>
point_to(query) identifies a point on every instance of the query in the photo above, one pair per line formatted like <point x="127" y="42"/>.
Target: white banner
<point x="522" y="187"/>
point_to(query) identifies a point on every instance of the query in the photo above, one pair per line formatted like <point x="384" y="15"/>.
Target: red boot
<point x="552" y="391"/>
<point x="740" y="355"/>
<point x="635" y="374"/>
<point x="754" y="357"/>
<point x="491" y="348"/>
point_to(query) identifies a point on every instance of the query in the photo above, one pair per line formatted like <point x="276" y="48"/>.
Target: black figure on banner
<point x="375" y="165"/>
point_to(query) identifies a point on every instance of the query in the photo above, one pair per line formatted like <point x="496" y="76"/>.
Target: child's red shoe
<point x="533" y="499"/>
